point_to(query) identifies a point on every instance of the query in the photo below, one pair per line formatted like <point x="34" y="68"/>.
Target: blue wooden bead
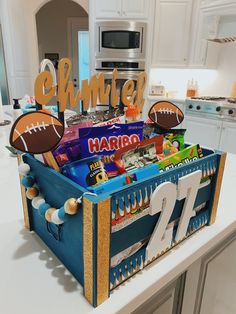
<point x="28" y="181"/>
<point x="62" y="214"/>
<point x="43" y="208"/>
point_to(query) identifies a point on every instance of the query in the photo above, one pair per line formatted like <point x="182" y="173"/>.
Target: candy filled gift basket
<point x="114" y="193"/>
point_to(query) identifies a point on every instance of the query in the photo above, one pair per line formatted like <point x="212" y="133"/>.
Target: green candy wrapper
<point x="180" y="158"/>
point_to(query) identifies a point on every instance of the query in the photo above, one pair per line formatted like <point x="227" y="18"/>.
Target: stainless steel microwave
<point x="120" y="39"/>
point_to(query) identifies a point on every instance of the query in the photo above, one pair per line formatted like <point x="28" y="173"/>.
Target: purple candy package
<point x="67" y="152"/>
<point x="107" y="139"/>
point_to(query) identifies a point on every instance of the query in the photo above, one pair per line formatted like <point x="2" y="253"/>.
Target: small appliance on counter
<point x="158" y="90"/>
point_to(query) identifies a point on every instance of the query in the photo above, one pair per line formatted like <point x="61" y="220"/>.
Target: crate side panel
<point x="69" y="249"/>
<point x="143" y="227"/>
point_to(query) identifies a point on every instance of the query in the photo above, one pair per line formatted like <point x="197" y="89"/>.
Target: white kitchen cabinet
<point x="205" y="132"/>
<point x="217" y="285"/>
<point x="228" y="137"/>
<point x="167" y="301"/>
<point x="203" y="53"/>
<point x="171" y="33"/>
<point x="210" y="283"/>
<point x="121" y="9"/>
<point x="108" y="9"/>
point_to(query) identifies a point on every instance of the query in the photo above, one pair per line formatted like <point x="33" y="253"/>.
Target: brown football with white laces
<point x="36" y="132"/>
<point x="166" y="114"/>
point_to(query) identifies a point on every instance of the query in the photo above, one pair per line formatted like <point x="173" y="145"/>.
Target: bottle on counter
<point x="192" y="88"/>
<point x="16" y="112"/>
<point x="196" y="89"/>
<point x="233" y="90"/>
<point x="132" y="113"/>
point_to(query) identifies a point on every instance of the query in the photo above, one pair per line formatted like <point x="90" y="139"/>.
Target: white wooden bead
<point x="55" y="219"/>
<point x="37" y="201"/>
<point x="24" y="169"/>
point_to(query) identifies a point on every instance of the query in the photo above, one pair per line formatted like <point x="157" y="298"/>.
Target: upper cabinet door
<point x="171" y="33"/>
<point x="122" y="9"/>
<point x="135" y="8"/>
<point x="108" y="9"/>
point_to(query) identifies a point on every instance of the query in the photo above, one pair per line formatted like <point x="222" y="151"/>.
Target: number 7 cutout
<point x="163" y="200"/>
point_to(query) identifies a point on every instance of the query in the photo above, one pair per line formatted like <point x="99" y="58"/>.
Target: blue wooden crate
<point x="87" y="241"/>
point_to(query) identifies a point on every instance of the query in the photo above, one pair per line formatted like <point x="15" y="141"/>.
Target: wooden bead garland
<point x="56" y="216"/>
<point x="48" y="214"/>
<point x="71" y="206"/>
<point x="62" y="214"/>
<point x="37" y="201"/>
<point x="43" y="208"/>
<point x="28" y="181"/>
<point x="24" y="169"/>
<point x="32" y="193"/>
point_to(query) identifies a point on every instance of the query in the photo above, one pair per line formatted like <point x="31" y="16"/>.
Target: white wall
<point x="211" y="82"/>
<point x="51" y="22"/>
<point x="20" y="42"/>
<point x="226" y="70"/>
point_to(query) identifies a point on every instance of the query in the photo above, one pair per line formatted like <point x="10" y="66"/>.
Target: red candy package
<point x="106" y="140"/>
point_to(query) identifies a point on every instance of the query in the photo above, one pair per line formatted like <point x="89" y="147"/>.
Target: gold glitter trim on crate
<point x="218" y="187"/>
<point x="23" y="197"/>
<point x="88" y="249"/>
<point x="103" y="250"/>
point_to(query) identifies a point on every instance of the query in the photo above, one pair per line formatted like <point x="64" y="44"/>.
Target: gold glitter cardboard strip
<point x="24" y="199"/>
<point x="217" y="189"/>
<point x="103" y="250"/>
<point x="88" y="249"/>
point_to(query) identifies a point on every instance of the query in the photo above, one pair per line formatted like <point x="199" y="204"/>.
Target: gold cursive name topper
<point x="90" y="92"/>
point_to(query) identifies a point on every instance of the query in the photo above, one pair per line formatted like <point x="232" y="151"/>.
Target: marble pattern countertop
<point x="34" y="281"/>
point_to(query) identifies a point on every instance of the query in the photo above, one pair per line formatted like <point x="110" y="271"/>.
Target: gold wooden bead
<point x="71" y="206"/>
<point x="31" y="193"/>
<point x="48" y="214"/>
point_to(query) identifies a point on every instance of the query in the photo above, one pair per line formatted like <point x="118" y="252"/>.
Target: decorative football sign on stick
<point x="166" y="115"/>
<point x="36" y="132"/>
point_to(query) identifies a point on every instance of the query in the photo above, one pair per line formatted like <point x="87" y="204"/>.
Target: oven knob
<point x="230" y="111"/>
<point x="218" y="108"/>
<point x="190" y="106"/>
<point x="198" y="107"/>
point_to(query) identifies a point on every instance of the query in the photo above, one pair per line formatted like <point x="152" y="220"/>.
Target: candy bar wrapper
<point x="138" y="155"/>
<point x="67" y="152"/>
<point x="71" y="133"/>
<point x="105" y="140"/>
<point x="176" y="138"/>
<point x="180" y="158"/>
<point x="120" y="119"/>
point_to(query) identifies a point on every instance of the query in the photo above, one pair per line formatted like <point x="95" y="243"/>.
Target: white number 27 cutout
<point x="163" y="200"/>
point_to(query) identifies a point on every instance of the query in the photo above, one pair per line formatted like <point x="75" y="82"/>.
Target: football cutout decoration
<point x="36" y="132"/>
<point x="165" y="114"/>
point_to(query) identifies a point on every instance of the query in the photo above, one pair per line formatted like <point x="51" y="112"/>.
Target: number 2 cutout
<point x="163" y="200"/>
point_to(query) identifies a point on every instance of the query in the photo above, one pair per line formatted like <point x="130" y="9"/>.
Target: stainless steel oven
<point x="120" y="39"/>
<point x="123" y="76"/>
<point x="120" y="65"/>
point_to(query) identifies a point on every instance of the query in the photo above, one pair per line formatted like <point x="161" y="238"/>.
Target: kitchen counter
<point x="34" y="281"/>
<point x="159" y="98"/>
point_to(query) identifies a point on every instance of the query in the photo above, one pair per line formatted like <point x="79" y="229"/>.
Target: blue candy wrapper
<point x="107" y="139"/>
